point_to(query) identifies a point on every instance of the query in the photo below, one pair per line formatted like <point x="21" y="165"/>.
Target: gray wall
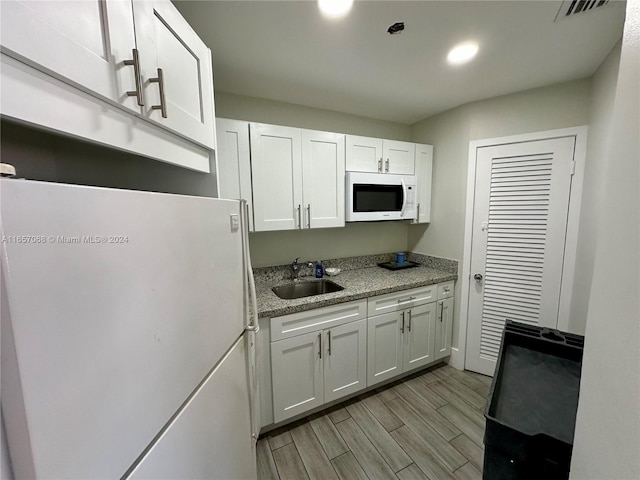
<point x="602" y="100"/>
<point x="39" y="155"/>
<point x="556" y="106"/>
<point x="276" y="248"/>
<point x="607" y="437"/>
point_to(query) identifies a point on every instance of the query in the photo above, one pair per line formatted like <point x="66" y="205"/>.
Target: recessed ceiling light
<point x="335" y="8"/>
<point x="462" y="53"/>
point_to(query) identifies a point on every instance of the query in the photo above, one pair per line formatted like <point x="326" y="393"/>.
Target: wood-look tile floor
<point x="427" y="426"/>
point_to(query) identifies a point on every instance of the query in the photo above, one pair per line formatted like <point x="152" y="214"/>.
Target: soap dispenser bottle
<point x="319" y="269"/>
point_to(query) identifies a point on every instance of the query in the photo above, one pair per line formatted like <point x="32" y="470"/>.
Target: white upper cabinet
<point x="364" y="154"/>
<point x="398" y="157"/>
<point x="92" y="69"/>
<point x="233" y="162"/>
<point x="323" y="179"/>
<point x="375" y="155"/>
<point x="297" y="178"/>
<point x="276" y="170"/>
<point x="424" y="167"/>
<point x="85" y="42"/>
<point x="176" y="71"/>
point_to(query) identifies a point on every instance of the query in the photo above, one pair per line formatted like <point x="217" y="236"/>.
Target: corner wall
<point x="556" y="106"/>
<point x="607" y="437"/>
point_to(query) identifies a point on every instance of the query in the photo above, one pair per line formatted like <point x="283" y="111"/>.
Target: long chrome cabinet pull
<point x="405" y="300"/>
<point x="163" y="104"/>
<point x="386" y="167"/>
<point x="409" y="324"/>
<point x="308" y="215"/>
<point x="320" y="349"/>
<point x="135" y="61"/>
<point x="380" y="166"/>
<point x="402" y="327"/>
<point x="299" y="216"/>
<point x="418" y="214"/>
<point x="329" y="338"/>
<point x="441" y="310"/>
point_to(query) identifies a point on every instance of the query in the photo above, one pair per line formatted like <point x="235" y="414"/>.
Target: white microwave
<point x="380" y="196"/>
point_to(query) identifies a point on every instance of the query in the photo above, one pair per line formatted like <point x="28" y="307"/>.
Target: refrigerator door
<point x="118" y="303"/>
<point x="210" y="438"/>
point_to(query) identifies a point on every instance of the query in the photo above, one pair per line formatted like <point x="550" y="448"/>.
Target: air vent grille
<point x="573" y="7"/>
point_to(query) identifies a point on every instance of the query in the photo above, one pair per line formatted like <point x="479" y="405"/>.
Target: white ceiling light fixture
<point x="462" y="53"/>
<point x="335" y="8"/>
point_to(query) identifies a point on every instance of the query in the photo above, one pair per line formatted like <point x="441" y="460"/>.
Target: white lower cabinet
<point x="399" y="342"/>
<point x="322" y="355"/>
<point x="418" y="346"/>
<point x="443" y="328"/>
<point x="318" y="367"/>
<point x="296" y="368"/>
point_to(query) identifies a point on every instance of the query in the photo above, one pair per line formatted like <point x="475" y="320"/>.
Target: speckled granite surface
<point x="360" y="277"/>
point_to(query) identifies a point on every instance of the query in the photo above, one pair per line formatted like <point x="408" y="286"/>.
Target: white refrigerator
<point x="127" y="345"/>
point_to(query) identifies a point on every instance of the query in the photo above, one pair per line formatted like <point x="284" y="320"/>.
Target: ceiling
<point x="287" y="51"/>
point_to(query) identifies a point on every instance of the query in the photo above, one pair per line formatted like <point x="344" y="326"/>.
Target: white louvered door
<point x="518" y="244"/>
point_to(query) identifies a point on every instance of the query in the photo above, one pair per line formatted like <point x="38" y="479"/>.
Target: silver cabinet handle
<point x="386" y="168"/>
<point x="163" y="104"/>
<point x="329" y="338"/>
<point x="135" y="61"/>
<point x="402" y="327"/>
<point x="299" y="216"/>
<point x="308" y="215"/>
<point x="441" y="310"/>
<point x="418" y="214"/>
<point x="380" y="165"/>
<point x="320" y="349"/>
<point x="409" y="324"/>
<point x="406" y="300"/>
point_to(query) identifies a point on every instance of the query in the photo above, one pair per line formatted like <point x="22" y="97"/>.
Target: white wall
<point x="556" y="106"/>
<point x="276" y="248"/>
<point x="607" y="437"/>
<point x="240" y="107"/>
<point x="603" y="89"/>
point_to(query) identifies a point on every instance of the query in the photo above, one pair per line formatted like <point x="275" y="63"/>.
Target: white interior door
<point x="518" y="241"/>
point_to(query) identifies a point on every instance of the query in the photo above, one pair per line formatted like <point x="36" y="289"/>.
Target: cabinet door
<point x="323" y="179"/>
<point x="345" y="360"/>
<point x="384" y="347"/>
<point x="424" y="167"/>
<point x="363" y="154"/>
<point x="167" y="42"/>
<point x="444" y="324"/>
<point x="276" y="176"/>
<point x="419" y="336"/>
<point x="399" y="157"/>
<point x="233" y="163"/>
<point x="83" y="43"/>
<point x="296" y="368"/>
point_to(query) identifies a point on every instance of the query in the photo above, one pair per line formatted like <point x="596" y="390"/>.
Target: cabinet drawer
<point x="312" y="320"/>
<point x="445" y="290"/>
<point x="393" y="302"/>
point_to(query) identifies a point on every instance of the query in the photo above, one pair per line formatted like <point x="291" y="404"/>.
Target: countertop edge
<point x="342" y="298"/>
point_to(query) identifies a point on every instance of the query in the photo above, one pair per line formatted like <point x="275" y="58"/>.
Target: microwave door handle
<point x="404" y="197"/>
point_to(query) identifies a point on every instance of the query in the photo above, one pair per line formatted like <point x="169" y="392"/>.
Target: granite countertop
<point x="364" y="279"/>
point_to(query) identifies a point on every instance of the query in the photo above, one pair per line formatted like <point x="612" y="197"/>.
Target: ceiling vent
<point x="570" y="8"/>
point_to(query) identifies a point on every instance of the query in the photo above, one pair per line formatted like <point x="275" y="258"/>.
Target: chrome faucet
<point x="296" y="266"/>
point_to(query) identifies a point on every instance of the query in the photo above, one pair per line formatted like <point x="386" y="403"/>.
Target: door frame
<point x="458" y="355"/>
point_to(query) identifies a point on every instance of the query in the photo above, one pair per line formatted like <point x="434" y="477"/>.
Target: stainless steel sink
<point x="306" y="289"/>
